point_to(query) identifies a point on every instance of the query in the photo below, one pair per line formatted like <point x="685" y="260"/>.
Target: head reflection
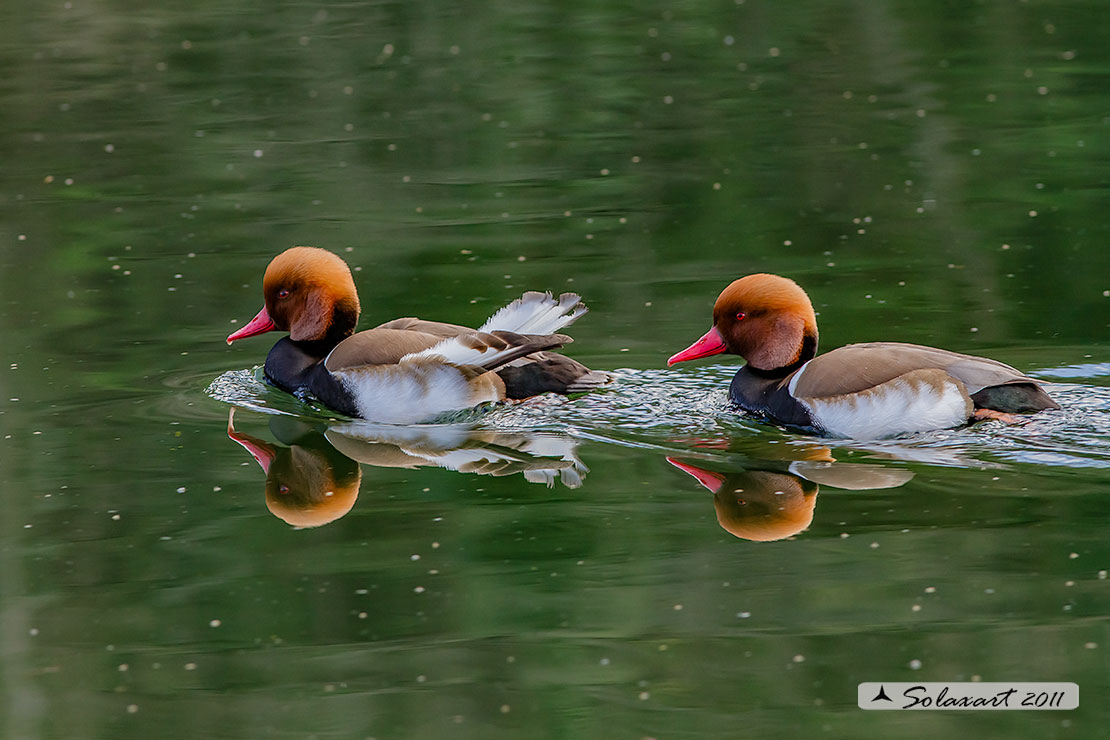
<point x="308" y="483"/>
<point x="315" y="477"/>
<point x="768" y="505"/>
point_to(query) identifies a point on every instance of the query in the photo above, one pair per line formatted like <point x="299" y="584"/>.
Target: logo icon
<point x="881" y="696"/>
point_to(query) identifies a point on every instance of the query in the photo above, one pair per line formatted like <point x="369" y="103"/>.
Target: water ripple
<point x="688" y="411"/>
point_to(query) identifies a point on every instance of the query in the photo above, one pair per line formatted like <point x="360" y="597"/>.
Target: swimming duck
<point x="407" y="370"/>
<point x="862" y="391"/>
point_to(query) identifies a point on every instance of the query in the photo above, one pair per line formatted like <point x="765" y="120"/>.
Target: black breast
<point x="298" y="368"/>
<point x="769" y="397"/>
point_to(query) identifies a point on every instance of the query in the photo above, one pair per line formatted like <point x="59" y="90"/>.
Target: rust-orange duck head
<point x="308" y="292"/>
<point x="766" y="319"/>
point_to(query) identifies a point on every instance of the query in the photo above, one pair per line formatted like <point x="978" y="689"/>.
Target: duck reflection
<point x="315" y="477"/>
<point x="771" y="504"/>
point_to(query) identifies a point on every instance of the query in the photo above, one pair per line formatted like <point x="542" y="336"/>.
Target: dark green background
<point x="930" y="172"/>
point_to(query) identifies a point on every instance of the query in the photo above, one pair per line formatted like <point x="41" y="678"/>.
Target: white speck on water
<point x="799" y="658"/>
<point x="132" y="708"/>
<point x="190" y="666"/>
<point x="1102" y="574"/>
<point x="418" y="590"/>
<point x="930" y="589"/>
<point x="604" y="661"/>
<point x="743" y="615"/>
<point x="988" y="590"/>
<point x="414" y="557"/>
<point x="678" y="607"/>
<point x="1073" y="556"/>
<point x="915" y="665"/>
<point x="214" y="623"/>
<point x="916" y="607"/>
<point x="874" y="545"/>
<point x="644" y="695"/>
<point x="181" y="489"/>
<point x="505" y="709"/>
<point x="1091" y="645"/>
<point x="844" y="535"/>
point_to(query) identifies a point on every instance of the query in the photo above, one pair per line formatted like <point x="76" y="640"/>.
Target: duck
<point x="408" y="370"/>
<point x="871" y="390"/>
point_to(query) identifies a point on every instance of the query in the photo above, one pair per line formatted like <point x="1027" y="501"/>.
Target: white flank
<point x="408" y="394"/>
<point x="454" y="352"/>
<point x="896" y="407"/>
<point x="536" y="313"/>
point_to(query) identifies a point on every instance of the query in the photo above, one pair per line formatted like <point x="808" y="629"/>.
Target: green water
<point x="931" y="173"/>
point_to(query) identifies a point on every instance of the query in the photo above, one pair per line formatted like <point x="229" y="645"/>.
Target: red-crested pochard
<point x="407" y="370"/>
<point x="862" y="391"/>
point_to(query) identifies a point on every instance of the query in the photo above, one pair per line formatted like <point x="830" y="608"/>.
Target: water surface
<point x="562" y="568"/>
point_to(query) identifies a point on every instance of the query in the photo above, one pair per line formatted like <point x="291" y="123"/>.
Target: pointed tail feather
<point x="537" y="313"/>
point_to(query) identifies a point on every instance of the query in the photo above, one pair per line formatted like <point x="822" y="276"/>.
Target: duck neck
<point x="344" y="319"/>
<point x="806" y="352"/>
<point x="341" y="324"/>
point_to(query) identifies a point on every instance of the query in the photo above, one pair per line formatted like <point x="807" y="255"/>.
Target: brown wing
<point x="378" y="347"/>
<point x="857" y="367"/>
<point x="435" y="328"/>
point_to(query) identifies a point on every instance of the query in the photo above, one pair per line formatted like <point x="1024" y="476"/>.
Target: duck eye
<point x="283" y="293"/>
<point x="740" y="316"/>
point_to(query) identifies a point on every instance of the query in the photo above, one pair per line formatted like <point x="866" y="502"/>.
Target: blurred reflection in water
<point x="773" y="504"/>
<point x="315" y="479"/>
